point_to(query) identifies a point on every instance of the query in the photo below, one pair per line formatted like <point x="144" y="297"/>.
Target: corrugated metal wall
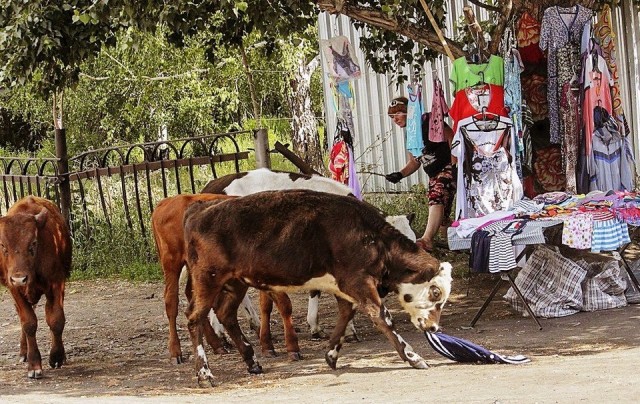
<point x="379" y="144"/>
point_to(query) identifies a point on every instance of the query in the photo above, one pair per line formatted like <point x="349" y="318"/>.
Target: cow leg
<point x="351" y="335"/>
<point x="283" y="303"/>
<point x="216" y="341"/>
<point x="346" y="312"/>
<point x="29" y="323"/>
<point x="171" y="286"/>
<point x="206" y="289"/>
<point x="227" y="310"/>
<point x="54" y="314"/>
<point x="266" y="306"/>
<point x="251" y="313"/>
<point x="312" y="316"/>
<point x="382" y="319"/>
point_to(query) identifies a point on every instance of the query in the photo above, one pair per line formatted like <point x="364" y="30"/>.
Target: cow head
<point x="19" y="245"/>
<point x="424" y="301"/>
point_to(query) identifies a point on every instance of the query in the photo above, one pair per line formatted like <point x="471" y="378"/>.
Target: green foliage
<point x="115" y="253"/>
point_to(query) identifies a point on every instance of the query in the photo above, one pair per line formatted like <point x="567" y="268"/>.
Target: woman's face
<point x="400" y="119"/>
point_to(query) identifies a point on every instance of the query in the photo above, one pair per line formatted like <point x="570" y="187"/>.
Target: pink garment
<point x="439" y="110"/>
<point x="577" y="231"/>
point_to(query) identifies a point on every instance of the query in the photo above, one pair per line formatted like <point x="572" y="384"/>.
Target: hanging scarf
<point x="439" y="110"/>
<point x="414" y="142"/>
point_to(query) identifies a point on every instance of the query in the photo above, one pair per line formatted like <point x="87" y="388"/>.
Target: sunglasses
<point x="395" y="103"/>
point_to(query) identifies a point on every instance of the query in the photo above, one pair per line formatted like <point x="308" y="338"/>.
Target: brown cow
<point x="263" y="179"/>
<point x="306" y="240"/>
<point x="36" y="261"/>
<point x="166" y="222"/>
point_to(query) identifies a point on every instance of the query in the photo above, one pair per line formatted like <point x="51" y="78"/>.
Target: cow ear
<point x="41" y="218"/>
<point x="445" y="269"/>
<point x="410" y="217"/>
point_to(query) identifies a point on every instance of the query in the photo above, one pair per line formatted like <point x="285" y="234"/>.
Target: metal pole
<point x="63" y="172"/>
<point x="261" y="141"/>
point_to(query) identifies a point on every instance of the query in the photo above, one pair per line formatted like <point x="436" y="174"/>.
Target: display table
<point x="529" y="235"/>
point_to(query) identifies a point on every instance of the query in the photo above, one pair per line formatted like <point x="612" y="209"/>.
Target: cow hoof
<point x="331" y="361"/>
<point x="177" y="360"/>
<point x="57" y="360"/>
<point x="320" y="335"/>
<point x="205" y="377"/>
<point x="256" y="369"/>
<point x="35" y="374"/>
<point x="270" y="352"/>
<point x="295" y="356"/>
<point x="420" y="364"/>
<point x="351" y="338"/>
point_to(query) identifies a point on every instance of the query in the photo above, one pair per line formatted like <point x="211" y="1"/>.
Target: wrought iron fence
<point x="122" y="184"/>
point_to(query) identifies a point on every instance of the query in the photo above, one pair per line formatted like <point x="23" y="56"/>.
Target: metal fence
<point x="120" y="185"/>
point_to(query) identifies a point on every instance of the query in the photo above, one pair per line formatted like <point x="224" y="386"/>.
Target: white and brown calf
<point x="287" y="241"/>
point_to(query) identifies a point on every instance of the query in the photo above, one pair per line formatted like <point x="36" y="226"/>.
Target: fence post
<point x="261" y="141"/>
<point x="63" y="172"/>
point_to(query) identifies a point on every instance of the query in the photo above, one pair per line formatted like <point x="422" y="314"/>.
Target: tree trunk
<point x="304" y="128"/>
<point x="252" y="88"/>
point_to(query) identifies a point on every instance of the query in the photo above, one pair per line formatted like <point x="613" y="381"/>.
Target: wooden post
<point x="437" y="29"/>
<point x="261" y="142"/>
<point x="63" y="172"/>
<point x="297" y="161"/>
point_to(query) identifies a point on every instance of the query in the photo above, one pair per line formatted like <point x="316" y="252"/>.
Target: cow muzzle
<point x="19" y="280"/>
<point x="427" y="325"/>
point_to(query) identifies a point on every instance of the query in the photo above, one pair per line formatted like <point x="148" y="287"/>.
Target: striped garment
<point x="609" y="233"/>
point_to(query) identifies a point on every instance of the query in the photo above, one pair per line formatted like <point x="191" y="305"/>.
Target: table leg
<point x="526" y="305"/>
<point x="486" y="302"/>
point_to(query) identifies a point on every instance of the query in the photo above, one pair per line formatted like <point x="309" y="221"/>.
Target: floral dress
<point x="557" y="31"/>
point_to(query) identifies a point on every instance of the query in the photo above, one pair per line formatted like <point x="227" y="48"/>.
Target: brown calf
<point x="304" y="240"/>
<point x="166" y="222"/>
<point x="36" y="261"/>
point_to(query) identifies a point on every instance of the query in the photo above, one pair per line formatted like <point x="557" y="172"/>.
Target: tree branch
<point x="485" y="6"/>
<point x="378" y="19"/>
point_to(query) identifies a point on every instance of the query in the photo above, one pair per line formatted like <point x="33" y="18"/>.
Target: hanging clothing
<point x="603" y="32"/>
<point x="612" y="159"/>
<point x="339" y="162"/>
<point x="560" y="26"/>
<point x="513" y="101"/>
<point x="597" y="94"/>
<point x="570" y="119"/>
<point x="464" y="74"/>
<point x="474" y="100"/>
<point x="439" y="109"/>
<point x="414" y="142"/>
<point x="487" y="179"/>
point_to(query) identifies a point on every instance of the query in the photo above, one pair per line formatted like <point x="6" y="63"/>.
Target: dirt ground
<point x="116" y="342"/>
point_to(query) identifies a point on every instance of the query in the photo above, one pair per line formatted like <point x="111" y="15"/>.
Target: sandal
<point x="425" y="245"/>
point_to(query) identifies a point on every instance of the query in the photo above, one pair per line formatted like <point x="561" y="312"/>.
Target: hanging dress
<point x="414" y="142"/>
<point x="559" y="26"/>
<point x="439" y="109"/>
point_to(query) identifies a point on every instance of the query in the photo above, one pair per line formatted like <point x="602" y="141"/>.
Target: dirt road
<point x="116" y="346"/>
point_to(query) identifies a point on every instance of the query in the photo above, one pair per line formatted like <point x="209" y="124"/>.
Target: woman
<point x="436" y="160"/>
